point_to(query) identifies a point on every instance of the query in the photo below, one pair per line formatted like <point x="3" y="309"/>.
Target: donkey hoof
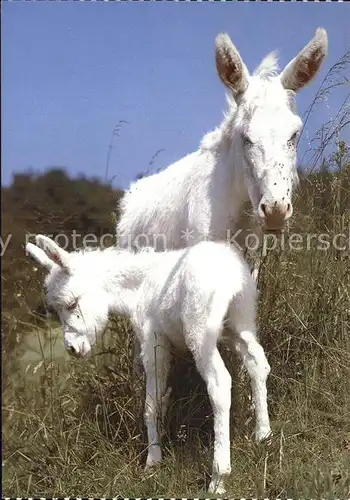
<point x="217" y="487"/>
<point x="150" y="467"/>
<point x="153" y="458"/>
<point x="263" y="434"/>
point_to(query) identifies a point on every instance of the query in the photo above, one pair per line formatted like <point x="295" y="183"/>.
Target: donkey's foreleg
<point x="256" y="268"/>
<point x="137" y="362"/>
<point x="156" y="358"/>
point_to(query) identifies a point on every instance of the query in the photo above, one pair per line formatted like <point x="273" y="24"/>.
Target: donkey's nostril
<point x="274" y="213"/>
<point x="289" y="210"/>
<point x="263" y="209"/>
<point x="72" y="350"/>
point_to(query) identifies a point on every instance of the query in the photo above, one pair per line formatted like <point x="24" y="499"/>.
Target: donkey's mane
<point x="267" y="69"/>
<point x="268" y="66"/>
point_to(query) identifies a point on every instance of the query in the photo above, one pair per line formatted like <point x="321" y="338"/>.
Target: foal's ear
<point x="39" y="256"/>
<point x="54" y="252"/>
<point x="229" y="65"/>
<point x="301" y="70"/>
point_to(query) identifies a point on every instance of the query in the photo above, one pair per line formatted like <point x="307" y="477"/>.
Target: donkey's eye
<point x="50" y="309"/>
<point x="51" y="312"/>
<point x="292" y="141"/>
<point x="246" y="141"/>
<point x="72" y="305"/>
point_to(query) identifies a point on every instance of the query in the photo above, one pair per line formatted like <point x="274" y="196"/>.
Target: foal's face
<point x="266" y="135"/>
<point x="81" y="308"/>
<point x="74" y="290"/>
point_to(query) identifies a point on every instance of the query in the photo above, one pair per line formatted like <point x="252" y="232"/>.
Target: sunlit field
<point x="75" y="428"/>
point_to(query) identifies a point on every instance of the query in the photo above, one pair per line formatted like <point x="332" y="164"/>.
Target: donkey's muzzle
<point x="77" y="345"/>
<point x="274" y="214"/>
<point x="73" y="352"/>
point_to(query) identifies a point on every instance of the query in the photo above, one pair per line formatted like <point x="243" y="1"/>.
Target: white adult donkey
<point x="250" y="156"/>
<point x="175" y="299"/>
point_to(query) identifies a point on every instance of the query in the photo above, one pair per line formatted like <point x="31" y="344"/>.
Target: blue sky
<point x="72" y="70"/>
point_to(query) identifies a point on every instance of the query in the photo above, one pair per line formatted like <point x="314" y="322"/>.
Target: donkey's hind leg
<point x="218" y="381"/>
<point x="254" y="359"/>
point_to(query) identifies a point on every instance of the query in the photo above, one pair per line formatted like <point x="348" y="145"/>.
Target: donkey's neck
<point x="227" y="177"/>
<point x="123" y="276"/>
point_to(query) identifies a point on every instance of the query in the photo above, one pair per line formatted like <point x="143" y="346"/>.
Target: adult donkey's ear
<point x="54" y="252"/>
<point x="229" y="65"/>
<point x="301" y="70"/>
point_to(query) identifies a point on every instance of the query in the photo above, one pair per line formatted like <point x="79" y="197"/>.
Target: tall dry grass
<point x="74" y="428"/>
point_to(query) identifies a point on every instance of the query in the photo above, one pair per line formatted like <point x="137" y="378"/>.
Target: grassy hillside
<point x="74" y="428"/>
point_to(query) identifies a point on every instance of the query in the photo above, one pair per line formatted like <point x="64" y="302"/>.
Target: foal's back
<point x="183" y="285"/>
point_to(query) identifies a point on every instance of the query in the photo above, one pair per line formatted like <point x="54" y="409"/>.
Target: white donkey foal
<point x="175" y="299"/>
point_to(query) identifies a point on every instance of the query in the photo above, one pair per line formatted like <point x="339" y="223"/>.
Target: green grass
<point x="75" y="428"/>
